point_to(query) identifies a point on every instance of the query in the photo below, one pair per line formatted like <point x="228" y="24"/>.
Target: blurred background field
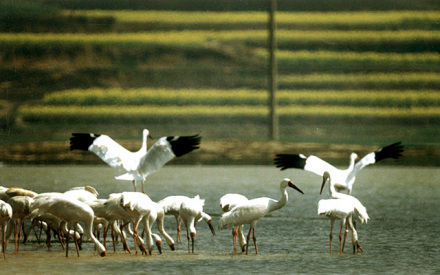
<point x="353" y="75"/>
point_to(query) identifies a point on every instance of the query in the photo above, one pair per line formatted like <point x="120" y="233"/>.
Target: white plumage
<point x="227" y="202"/>
<point x="142" y="209"/>
<point x="83" y="193"/>
<point x="136" y="165"/>
<point x="251" y="211"/>
<point x="342" y="179"/>
<point x="21" y="206"/>
<point x="342" y="207"/>
<point x="72" y="211"/>
<point x="171" y="206"/>
<point x="191" y="212"/>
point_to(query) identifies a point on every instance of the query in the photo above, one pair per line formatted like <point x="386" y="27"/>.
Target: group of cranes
<point x="82" y="205"/>
<point x="341" y="207"/>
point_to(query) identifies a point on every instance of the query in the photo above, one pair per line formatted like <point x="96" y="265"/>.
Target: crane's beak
<point x="324" y="180"/>
<point x="149" y="136"/>
<point x="291" y="184"/>
<point x="159" y="246"/>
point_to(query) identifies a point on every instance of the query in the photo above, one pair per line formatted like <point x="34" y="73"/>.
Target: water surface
<point x="402" y="235"/>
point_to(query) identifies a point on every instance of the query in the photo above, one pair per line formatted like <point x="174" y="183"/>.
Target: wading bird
<point x="342" y="179"/>
<point x="171" y="206"/>
<point x="5" y="217"/>
<point x="227" y="202"/>
<point x="136" y="165"/>
<point x="71" y="211"/>
<point x="21" y="207"/>
<point x="342" y="207"/>
<point x="191" y="211"/>
<point x="251" y="211"/>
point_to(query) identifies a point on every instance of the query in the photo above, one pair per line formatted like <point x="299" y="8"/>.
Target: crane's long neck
<point x="144" y="143"/>
<point x="351" y="166"/>
<point x="275" y="205"/>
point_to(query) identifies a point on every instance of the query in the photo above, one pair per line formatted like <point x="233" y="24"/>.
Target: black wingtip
<point x="182" y="145"/>
<point x="82" y="141"/>
<point x="393" y="151"/>
<point x="286" y="161"/>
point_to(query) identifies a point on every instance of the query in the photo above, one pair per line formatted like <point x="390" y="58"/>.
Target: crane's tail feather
<point x="362" y="213"/>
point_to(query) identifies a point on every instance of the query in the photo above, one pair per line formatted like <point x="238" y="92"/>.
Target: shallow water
<point x="402" y="235"/>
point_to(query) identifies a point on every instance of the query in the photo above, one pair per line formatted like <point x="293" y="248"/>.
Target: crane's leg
<point x="193" y="236"/>
<point x="332" y="222"/>
<point x="255" y="240"/>
<point x="105" y="231"/>
<point x="48" y="238"/>
<point x="135" y="236"/>
<point x="134" y="185"/>
<point x="340" y="240"/>
<point x="187" y="235"/>
<point x="143" y="190"/>
<point x="123" y="236"/>
<point x="75" y="240"/>
<point x="19" y="233"/>
<point x="67" y="242"/>
<point x="16" y="234"/>
<point x="247" y="239"/>
<point x="234" y="238"/>
<point x="41" y="229"/>
<point x="179" y="223"/>
<point x="4" y="241"/>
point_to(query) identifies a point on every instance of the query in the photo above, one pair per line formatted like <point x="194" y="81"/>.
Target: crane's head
<point x="146" y="133"/>
<point x="287" y="182"/>
<point x="354" y="156"/>
<point x="325" y="177"/>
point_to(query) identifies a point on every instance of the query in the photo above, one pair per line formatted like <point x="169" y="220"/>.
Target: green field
<point x="357" y="77"/>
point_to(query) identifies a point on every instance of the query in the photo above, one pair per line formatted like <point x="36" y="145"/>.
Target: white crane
<point x="21" y="206"/>
<point x="171" y="206"/>
<point x="342" y="179"/>
<point x="227" y="202"/>
<point x="136" y="165"/>
<point x="113" y="213"/>
<point x="71" y="211"/>
<point x="139" y="207"/>
<point x="191" y="211"/>
<point x="5" y="217"/>
<point x="342" y="207"/>
<point x="251" y="211"/>
<point x="157" y="215"/>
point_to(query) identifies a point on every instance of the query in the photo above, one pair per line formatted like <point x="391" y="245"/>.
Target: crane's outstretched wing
<point x="299" y="161"/>
<point x="165" y="149"/>
<point x="393" y="151"/>
<point x="104" y="147"/>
